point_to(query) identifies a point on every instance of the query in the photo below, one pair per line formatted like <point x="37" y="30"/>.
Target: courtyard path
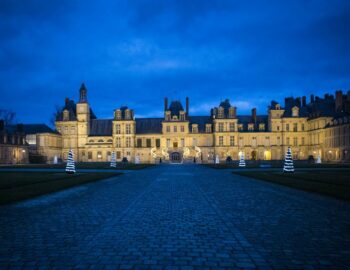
<point x="176" y="217"/>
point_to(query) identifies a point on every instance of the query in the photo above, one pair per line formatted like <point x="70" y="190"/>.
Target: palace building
<point x="320" y="127"/>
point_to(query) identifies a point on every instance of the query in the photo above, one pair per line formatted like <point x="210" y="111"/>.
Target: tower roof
<point x="175" y="107"/>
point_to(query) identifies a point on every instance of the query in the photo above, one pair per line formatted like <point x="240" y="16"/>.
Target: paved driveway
<point x="176" y="217"/>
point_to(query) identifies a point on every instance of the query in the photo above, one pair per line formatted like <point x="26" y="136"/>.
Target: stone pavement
<point x="176" y="217"/>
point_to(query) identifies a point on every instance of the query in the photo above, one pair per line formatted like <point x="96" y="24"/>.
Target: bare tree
<point x="8" y="116"/>
<point x="54" y="115"/>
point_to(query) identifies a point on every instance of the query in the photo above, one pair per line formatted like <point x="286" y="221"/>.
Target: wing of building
<point x="320" y="127"/>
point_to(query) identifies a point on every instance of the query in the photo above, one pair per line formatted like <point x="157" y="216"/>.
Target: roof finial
<point x="83" y="93"/>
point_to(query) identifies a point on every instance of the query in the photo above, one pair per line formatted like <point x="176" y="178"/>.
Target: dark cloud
<point x="136" y="52"/>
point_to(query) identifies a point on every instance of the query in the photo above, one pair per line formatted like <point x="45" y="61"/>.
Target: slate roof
<point x="247" y="119"/>
<point x="175" y="108"/>
<point x="71" y="107"/>
<point x="149" y="125"/>
<point x="101" y="127"/>
<point x="29" y="129"/>
<point x="201" y="121"/>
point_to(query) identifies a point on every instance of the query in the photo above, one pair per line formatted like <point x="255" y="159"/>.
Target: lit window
<point x="117" y="129"/>
<point x="232" y="127"/>
<point x="128" y="129"/>
<point x="168" y="129"/>
<point x="232" y="140"/>
<point x="221" y="141"/>
<point x="221" y="127"/>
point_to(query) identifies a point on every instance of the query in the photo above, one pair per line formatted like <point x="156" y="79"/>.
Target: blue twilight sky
<point x="136" y="52"/>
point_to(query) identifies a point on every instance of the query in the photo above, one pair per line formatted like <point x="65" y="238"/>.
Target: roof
<point x="101" y="127"/>
<point x="148" y="125"/>
<point x="29" y="129"/>
<point x="247" y="119"/>
<point x="201" y="121"/>
<point x="175" y="108"/>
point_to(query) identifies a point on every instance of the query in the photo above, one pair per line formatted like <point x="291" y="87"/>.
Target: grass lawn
<point x="335" y="183"/>
<point x="82" y="165"/>
<point x="15" y="186"/>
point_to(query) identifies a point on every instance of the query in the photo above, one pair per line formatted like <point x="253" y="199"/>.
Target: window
<point x="117" y="129"/>
<point x="250" y="127"/>
<point x="278" y="128"/>
<point x="128" y="129"/>
<point x="302" y="141"/>
<point x="168" y="143"/>
<point x="278" y="140"/>
<point x="232" y="127"/>
<point x="168" y="129"/>
<point x="262" y="127"/>
<point x="182" y="142"/>
<point x="182" y="129"/>
<point x="288" y="142"/>
<point x="295" y="141"/>
<point x="175" y="128"/>
<point x="99" y="155"/>
<point x="221" y="112"/>
<point x="139" y="143"/>
<point x="267" y="141"/>
<point x="89" y="155"/>
<point x="253" y="141"/>
<point x="194" y="128"/>
<point x="287" y="127"/>
<point x="119" y="155"/>
<point x="221" y="141"/>
<point x="295" y="127"/>
<point x="208" y="128"/>
<point x="128" y="142"/>
<point x="221" y="127"/>
<point x="148" y="142"/>
<point x="118" y="142"/>
<point x="240" y="127"/>
<point x="232" y="140"/>
<point x="157" y="142"/>
<point x="302" y="127"/>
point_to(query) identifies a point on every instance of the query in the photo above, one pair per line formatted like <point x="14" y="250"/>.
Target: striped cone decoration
<point x="113" y="160"/>
<point x="70" y="167"/>
<point x="288" y="162"/>
<point x="241" y="161"/>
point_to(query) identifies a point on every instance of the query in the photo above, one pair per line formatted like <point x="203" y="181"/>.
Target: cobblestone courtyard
<point x="176" y="217"/>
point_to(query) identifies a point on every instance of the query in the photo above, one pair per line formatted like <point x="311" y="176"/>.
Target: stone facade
<point x="310" y="129"/>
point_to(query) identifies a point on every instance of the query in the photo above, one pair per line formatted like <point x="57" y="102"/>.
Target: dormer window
<point x="175" y="117"/>
<point x="240" y="127"/>
<point x="221" y="112"/>
<point x="231" y="112"/>
<point x="208" y="128"/>
<point x="127" y="114"/>
<point x="194" y="128"/>
<point x="65" y="115"/>
<point x="182" y="116"/>
<point x="295" y="111"/>
<point x="167" y="116"/>
<point x="118" y="114"/>
<point x="262" y="127"/>
<point x="250" y="127"/>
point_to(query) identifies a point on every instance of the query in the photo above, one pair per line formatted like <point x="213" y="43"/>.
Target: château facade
<point x="318" y="128"/>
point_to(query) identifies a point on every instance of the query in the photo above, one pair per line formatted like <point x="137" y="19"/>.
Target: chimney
<point x="66" y="101"/>
<point x="312" y="98"/>
<point x="338" y="100"/>
<point x="83" y="93"/>
<point x="254" y="115"/>
<point x="303" y="101"/>
<point x="2" y="125"/>
<point x="298" y="101"/>
<point x="165" y="104"/>
<point x="187" y="105"/>
<point x="235" y="111"/>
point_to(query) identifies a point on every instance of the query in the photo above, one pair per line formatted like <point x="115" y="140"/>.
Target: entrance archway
<point x="175" y="157"/>
<point x="267" y="155"/>
<point x="254" y="155"/>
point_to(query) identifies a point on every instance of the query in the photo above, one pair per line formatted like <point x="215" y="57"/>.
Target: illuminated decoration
<point x="153" y="152"/>
<point x="288" y="162"/>
<point x="217" y="160"/>
<point x="198" y="151"/>
<point x="137" y="159"/>
<point x="165" y="153"/>
<point x="186" y="152"/>
<point x="241" y="160"/>
<point x="318" y="160"/>
<point x="70" y="167"/>
<point x="113" y="160"/>
<point x="55" y="160"/>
